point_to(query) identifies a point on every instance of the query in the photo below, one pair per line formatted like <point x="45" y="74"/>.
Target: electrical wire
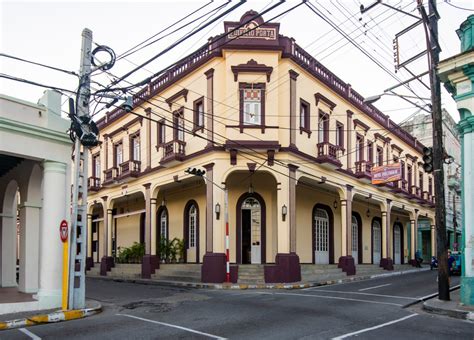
<point x="38" y="64"/>
<point x="458" y="7"/>
<point x="26" y="81"/>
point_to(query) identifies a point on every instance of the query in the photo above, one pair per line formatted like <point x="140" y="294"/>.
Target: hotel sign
<point x="386" y="173"/>
<point x="252" y="31"/>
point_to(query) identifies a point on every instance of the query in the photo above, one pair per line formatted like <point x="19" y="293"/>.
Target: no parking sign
<point x="63" y="231"/>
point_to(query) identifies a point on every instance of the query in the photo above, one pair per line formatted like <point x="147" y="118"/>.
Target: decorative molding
<point x="320" y="97"/>
<point x="124" y="127"/>
<point x="349" y="113"/>
<point x="174" y="97"/>
<point x="270" y="157"/>
<point x="252" y="167"/>
<point x="209" y="73"/>
<point x="396" y="148"/>
<point x="250" y="144"/>
<point x="411" y="157"/>
<point x="293" y="74"/>
<point x="252" y="67"/>
<point x="233" y="157"/>
<point x="361" y="124"/>
<point x="382" y="138"/>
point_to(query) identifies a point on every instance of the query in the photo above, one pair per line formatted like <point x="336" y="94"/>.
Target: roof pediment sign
<point x="251" y="29"/>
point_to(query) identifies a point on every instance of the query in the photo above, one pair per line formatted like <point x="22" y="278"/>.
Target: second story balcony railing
<point x="329" y="154"/>
<point x="110" y="175"/>
<point x="93" y="184"/>
<point x="363" y="170"/>
<point x="415" y="191"/>
<point x="173" y="153"/>
<point x="401" y="187"/>
<point x="129" y="169"/>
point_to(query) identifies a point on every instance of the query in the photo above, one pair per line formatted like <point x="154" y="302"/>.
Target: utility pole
<point x="78" y="234"/>
<point x="431" y="22"/>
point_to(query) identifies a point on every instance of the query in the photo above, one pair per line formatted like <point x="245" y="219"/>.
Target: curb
<point x="50" y="318"/>
<point x="242" y="286"/>
<point x="431" y="307"/>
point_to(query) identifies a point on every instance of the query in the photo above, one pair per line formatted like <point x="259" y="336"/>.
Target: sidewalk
<point x="452" y="308"/>
<point x="237" y="286"/>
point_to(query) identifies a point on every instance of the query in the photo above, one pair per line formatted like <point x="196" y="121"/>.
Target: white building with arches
<point x="35" y="172"/>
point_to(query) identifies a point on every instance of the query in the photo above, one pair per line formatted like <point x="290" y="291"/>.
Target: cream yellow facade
<point x="286" y="138"/>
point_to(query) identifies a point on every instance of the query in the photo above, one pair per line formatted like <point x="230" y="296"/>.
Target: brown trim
<point x="251" y="67"/>
<point x="397" y="148"/>
<point x="324" y="117"/>
<point x="263" y="232"/>
<point x="410" y="157"/>
<point x="158" y="227"/>
<point x="320" y="97"/>
<point x="178" y="114"/>
<point x="186" y="230"/>
<point x="161" y="133"/>
<point x="382" y="138"/>
<point x="360" y="250"/>
<point x="209" y="73"/>
<point x="361" y="124"/>
<point x="376" y="218"/>
<point x="174" y="97"/>
<point x="402" y="245"/>
<point x="340" y="134"/>
<point x="331" y="231"/>
<point x="271" y="157"/>
<point x="210" y="107"/>
<point x="233" y="156"/>
<point x="124" y="127"/>
<point x="260" y="86"/>
<point x="196" y="126"/>
<point x="250" y="144"/>
<point x="293" y="74"/>
<point x="379" y="150"/>
<point x="114" y="153"/>
<point x="93" y="158"/>
<point x="258" y="127"/>
<point x="360" y="141"/>
<point x="130" y="145"/>
<point x="349" y="113"/>
<point x="307" y="117"/>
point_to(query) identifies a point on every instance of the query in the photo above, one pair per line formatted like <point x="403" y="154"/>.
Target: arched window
<point x="355" y="234"/>
<point x="164" y="225"/>
<point x="192" y="226"/>
<point x="321" y="234"/>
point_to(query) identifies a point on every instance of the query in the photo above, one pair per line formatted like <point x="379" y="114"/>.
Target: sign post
<point x="63" y="234"/>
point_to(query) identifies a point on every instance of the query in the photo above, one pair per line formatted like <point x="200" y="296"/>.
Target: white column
<point x="89" y="235"/>
<point x="153" y="225"/>
<point x="29" y="246"/>
<point x="8" y="249"/>
<point x="109" y="231"/>
<point x="283" y="226"/>
<point x="55" y="189"/>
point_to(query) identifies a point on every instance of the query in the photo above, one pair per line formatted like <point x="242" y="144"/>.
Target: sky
<point x="50" y="33"/>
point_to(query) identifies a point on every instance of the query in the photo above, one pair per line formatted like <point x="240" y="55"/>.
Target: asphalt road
<point x="371" y="309"/>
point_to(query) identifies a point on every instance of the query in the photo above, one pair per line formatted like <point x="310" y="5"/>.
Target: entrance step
<point x="178" y="272"/>
<point x="126" y="270"/>
<point x="251" y="274"/>
<point x="94" y="271"/>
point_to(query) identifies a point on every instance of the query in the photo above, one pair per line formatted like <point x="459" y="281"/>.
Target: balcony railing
<point x="130" y="169"/>
<point x="110" y="175"/>
<point x="93" y="183"/>
<point x="173" y="152"/>
<point x="415" y="191"/>
<point x="329" y="154"/>
<point x="363" y="169"/>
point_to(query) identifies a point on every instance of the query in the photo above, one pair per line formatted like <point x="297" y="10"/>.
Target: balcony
<point x="110" y="175"/>
<point x="363" y="170"/>
<point x="93" y="184"/>
<point x="173" y="153"/>
<point x="328" y="155"/>
<point x="401" y="187"/>
<point x="129" y="169"/>
<point x="415" y="191"/>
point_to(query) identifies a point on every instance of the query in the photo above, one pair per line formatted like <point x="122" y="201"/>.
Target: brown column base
<point x="149" y="264"/>
<point x="414" y="263"/>
<point x="347" y="264"/>
<point x="387" y="263"/>
<point x="89" y="263"/>
<point x="285" y="270"/>
<point x="106" y="263"/>
<point x="213" y="269"/>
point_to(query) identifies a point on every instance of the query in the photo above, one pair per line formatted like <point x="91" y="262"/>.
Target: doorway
<point x="376" y="241"/>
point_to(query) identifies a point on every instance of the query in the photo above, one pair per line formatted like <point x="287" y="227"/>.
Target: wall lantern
<point x="284" y="211"/>
<point x="217" y="210"/>
<point x="163" y="202"/>
<point x="335" y="204"/>
<point x="367" y="213"/>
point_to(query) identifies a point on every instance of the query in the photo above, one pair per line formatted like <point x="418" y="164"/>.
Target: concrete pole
<point x="51" y="247"/>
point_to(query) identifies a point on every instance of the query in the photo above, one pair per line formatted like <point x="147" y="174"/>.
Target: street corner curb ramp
<point x="50" y="318"/>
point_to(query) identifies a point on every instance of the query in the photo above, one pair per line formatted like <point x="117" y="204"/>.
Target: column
<point x="109" y="224"/>
<point x="89" y="261"/>
<point x="107" y="261"/>
<point x="346" y="261"/>
<point x="149" y="261"/>
<point x="287" y="263"/>
<point x="209" y="206"/>
<point x="293" y="112"/>
<point x="29" y="246"/>
<point x="210" y="106"/>
<point x="148" y="138"/>
<point x="8" y="243"/>
<point x="349" y="220"/>
<point x="50" y="245"/>
<point x="350" y="143"/>
<point x="147" y="219"/>
<point x="344" y="228"/>
<point x="413" y="228"/>
<point x="387" y="261"/>
<point x="153" y="225"/>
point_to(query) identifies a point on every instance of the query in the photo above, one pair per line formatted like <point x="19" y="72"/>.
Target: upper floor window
<point x="118" y="154"/>
<point x="252" y="104"/>
<point x="370" y="151"/>
<point x="410" y="175"/>
<point x="199" y="114"/>
<point x="161" y="132"/>
<point x="359" y="154"/>
<point x="430" y="186"/>
<point x="135" y="148"/>
<point x="96" y="165"/>
<point x="402" y="164"/>
<point x="323" y="127"/>
<point x="304" y="116"/>
<point x="379" y="156"/>
<point x="340" y="135"/>
<point x="420" y="181"/>
<point x="178" y="122"/>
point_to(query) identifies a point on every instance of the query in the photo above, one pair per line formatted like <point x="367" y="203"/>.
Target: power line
<point x="26" y="81"/>
<point x="38" y="64"/>
<point x="458" y="7"/>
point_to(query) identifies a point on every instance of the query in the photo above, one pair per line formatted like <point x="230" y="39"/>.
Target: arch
<point x="359" y="236"/>
<point x="402" y="242"/>
<point x="379" y="220"/>
<point x="244" y="169"/>
<point x="186" y="229"/>
<point x="161" y="210"/>
<point x="8" y="236"/>
<point x="35" y="181"/>
<point x="263" y="217"/>
<point x="331" y="230"/>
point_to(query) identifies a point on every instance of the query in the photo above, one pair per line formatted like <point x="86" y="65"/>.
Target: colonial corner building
<point x="292" y="143"/>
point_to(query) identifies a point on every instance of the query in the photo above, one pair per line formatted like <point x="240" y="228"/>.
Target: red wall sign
<point x="63" y="231"/>
<point x="386" y="173"/>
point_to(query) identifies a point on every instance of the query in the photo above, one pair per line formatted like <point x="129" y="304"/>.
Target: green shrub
<point x="131" y="254"/>
<point x="171" y="251"/>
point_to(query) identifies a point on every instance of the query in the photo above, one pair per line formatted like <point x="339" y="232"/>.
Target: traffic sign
<point x="63" y="230"/>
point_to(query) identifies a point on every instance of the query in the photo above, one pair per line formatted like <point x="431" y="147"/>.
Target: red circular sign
<point x="63" y="231"/>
